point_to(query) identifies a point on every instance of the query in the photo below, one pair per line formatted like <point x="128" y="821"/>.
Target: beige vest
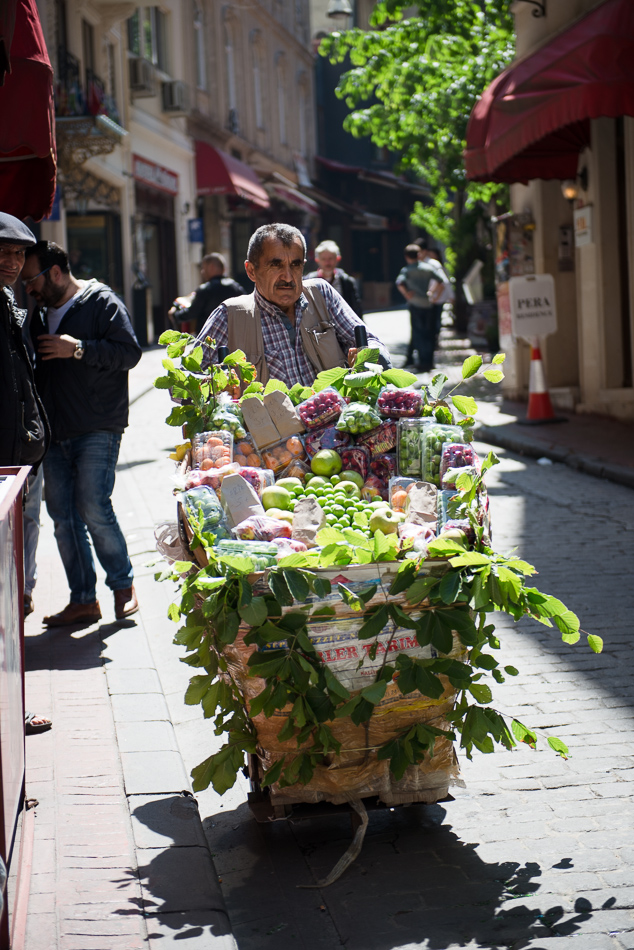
<point x="319" y="339"/>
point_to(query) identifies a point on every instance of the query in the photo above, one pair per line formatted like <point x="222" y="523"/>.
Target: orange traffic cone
<point x="540" y="408"/>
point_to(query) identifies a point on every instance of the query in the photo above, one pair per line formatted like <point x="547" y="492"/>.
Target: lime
<point x="334" y="479"/>
<point x="319" y="492"/>
<point x="338" y="510"/>
<point x="330" y="518"/>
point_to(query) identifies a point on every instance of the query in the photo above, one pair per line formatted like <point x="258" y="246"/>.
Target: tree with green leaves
<point x="413" y="83"/>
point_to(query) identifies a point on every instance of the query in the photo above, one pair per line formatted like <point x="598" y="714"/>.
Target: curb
<point x="524" y="445"/>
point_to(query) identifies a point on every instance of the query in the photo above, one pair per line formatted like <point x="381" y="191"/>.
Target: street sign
<point x="583" y="226"/>
<point x="195" y="231"/>
<point x="533" y="308"/>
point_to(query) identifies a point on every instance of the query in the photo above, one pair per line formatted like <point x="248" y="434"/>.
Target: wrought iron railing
<point x="74" y="97"/>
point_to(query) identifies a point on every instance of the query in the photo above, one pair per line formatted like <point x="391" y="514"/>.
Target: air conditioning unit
<point x="142" y="78"/>
<point x="175" y="97"/>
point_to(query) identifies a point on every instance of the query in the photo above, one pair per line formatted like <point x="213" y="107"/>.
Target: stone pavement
<point x="534" y="852"/>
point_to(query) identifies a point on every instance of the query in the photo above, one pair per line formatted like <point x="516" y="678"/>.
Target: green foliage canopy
<point x="413" y="83"/>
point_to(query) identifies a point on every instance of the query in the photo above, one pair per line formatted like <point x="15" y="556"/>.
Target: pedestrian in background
<point x="413" y="283"/>
<point x="441" y="295"/>
<point x="203" y="301"/>
<point x="327" y="256"/>
<point x="85" y="345"/>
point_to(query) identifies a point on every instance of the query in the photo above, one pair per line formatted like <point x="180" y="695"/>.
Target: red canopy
<point x="218" y="173"/>
<point x="27" y="121"/>
<point x="534" y="119"/>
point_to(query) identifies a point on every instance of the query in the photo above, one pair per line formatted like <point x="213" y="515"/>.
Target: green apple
<point x="351" y="489"/>
<point x="317" y="481"/>
<point x="335" y="479"/>
<point x="385" y="520"/>
<point x="351" y="476"/>
<point x="276" y="496"/>
<point x="326" y="462"/>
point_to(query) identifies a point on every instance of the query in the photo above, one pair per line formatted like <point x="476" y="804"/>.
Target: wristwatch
<point x="80" y="349"/>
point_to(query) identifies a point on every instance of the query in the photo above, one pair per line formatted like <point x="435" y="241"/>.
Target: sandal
<point x="31" y="727"/>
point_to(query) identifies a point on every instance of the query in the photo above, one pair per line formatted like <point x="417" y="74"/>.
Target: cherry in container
<point x="380" y="440"/>
<point x="322" y="408"/>
<point x="356" y="459"/>
<point x="327" y="437"/>
<point x="396" y="403"/>
<point x="384" y="466"/>
<point x="456" y="455"/>
<point x="258" y="478"/>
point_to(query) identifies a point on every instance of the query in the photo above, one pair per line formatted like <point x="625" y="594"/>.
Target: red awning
<point x="218" y="173"/>
<point x="27" y="130"/>
<point x="534" y="119"/>
<point x="294" y="198"/>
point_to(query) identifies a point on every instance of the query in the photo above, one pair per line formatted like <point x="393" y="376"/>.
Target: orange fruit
<point x="241" y="459"/>
<point x="294" y="445"/>
<point x="254" y="460"/>
<point x="206" y="464"/>
<point x="244" y="448"/>
<point x="214" y="440"/>
<point x="398" y="499"/>
<point x="284" y="458"/>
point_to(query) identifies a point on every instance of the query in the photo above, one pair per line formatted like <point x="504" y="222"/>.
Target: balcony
<point x="76" y="98"/>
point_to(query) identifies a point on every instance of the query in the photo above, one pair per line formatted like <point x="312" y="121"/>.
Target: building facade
<point x="570" y="162"/>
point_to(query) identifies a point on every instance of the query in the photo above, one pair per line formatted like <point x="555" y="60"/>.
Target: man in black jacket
<point x="209" y="295"/>
<point x="84" y="345"/>
<point x="327" y="256"/>
<point x="24" y="431"/>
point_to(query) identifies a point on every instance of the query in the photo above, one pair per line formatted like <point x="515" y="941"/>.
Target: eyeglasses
<point x="29" y="280"/>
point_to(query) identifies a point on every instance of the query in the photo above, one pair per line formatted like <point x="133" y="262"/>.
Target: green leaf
<point x="333" y="685"/>
<point x="420" y="589"/>
<point x="595" y="642"/>
<point x="493" y="375"/>
<point x="349" y="597"/>
<point x="280" y="590"/>
<point x="272" y="775"/>
<point x="297" y="584"/>
<point x="367" y="354"/>
<point x="498" y="358"/>
<point x="198" y="686"/>
<point x="169" y="336"/>
<point x="436" y="386"/>
<point x="523" y="734"/>
<point x="173" y="613"/>
<point x="375" y="623"/>
<point x="375" y="692"/>
<point x="443" y="547"/>
<point x="398" y="377"/>
<point x="470" y="559"/>
<point x="163" y="382"/>
<point x="471" y="366"/>
<point x="449" y="587"/>
<point x="481" y="692"/>
<point x="275" y="385"/>
<point x="465" y="404"/>
<point x="511" y="671"/>
<point x="558" y="746"/>
<point x="330" y="377"/>
<point x="254" y="613"/>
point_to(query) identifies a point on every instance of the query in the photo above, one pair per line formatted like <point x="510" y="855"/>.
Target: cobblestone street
<point x="535" y="851"/>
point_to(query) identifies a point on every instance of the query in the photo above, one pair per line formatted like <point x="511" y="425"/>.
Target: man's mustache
<point x="282" y="285"/>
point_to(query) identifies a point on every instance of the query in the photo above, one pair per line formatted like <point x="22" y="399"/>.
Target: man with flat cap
<point x="24" y="431"/>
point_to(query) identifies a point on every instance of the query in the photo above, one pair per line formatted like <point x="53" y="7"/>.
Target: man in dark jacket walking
<point x="203" y="301"/>
<point x="84" y="345"/>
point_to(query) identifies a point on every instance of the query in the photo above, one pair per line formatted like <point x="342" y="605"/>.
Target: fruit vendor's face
<point x="278" y="274"/>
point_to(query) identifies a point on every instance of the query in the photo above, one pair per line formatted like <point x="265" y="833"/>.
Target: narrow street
<point x="535" y="851"/>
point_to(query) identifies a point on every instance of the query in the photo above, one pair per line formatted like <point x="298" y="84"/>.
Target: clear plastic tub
<point x="212" y="449"/>
<point x="456" y="455"/>
<point x="409" y="445"/>
<point x="399" y="488"/>
<point x="245" y="452"/>
<point x="396" y="403"/>
<point x="358" y="418"/>
<point x="434" y="437"/>
<point x="327" y="437"/>
<point x="322" y="408"/>
<point x="278" y="456"/>
<point x="384" y="466"/>
<point x="380" y="440"/>
<point x="356" y="459"/>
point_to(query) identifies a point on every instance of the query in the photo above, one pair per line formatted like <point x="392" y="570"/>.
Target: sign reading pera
<point x="533" y="307"/>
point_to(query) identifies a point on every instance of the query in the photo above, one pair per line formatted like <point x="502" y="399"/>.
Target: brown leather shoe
<point x="74" y="613"/>
<point x="125" y="603"/>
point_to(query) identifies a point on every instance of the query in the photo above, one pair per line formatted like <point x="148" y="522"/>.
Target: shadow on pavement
<point x="415" y="884"/>
<point x="56" y="648"/>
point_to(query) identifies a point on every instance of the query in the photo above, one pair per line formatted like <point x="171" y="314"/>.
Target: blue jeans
<point x="31" y="520"/>
<point x="79" y="477"/>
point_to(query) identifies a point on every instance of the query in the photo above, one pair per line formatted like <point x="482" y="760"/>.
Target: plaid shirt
<point x="286" y="362"/>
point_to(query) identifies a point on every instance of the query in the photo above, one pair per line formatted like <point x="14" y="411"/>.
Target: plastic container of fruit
<point x="201" y="505"/>
<point x="409" y="445"/>
<point x="245" y="452"/>
<point x="296" y="468"/>
<point x="279" y="455"/>
<point x="399" y="488"/>
<point x="456" y="455"/>
<point x="434" y="438"/>
<point x="322" y="408"/>
<point x="357" y="459"/>
<point x="380" y="440"/>
<point x="327" y="437"/>
<point x="394" y="403"/>
<point x="212" y="477"/>
<point x="448" y="478"/>
<point x="444" y="498"/>
<point x="258" y="478"/>
<point x="358" y="417"/>
<point x="212" y="449"/>
<point x="262" y="528"/>
<point x="384" y="466"/>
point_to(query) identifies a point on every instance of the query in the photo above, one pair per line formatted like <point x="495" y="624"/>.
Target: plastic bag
<point x="204" y="511"/>
<point x="169" y="543"/>
<point x="421" y="534"/>
<point x="211" y="477"/>
<point x="394" y="403"/>
<point x="358" y="417"/>
<point x="322" y="408"/>
<point x="231" y="421"/>
<point x="261" y="528"/>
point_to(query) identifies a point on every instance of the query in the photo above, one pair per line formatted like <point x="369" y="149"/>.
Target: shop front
<point x="156" y="283"/>
<point x="94" y="247"/>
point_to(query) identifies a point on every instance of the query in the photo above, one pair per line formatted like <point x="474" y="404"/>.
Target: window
<point x="147" y="36"/>
<point x="256" y="63"/>
<point x="199" y="44"/>
<point x="88" y="50"/>
<point x="281" y="95"/>
<point x="232" y="97"/>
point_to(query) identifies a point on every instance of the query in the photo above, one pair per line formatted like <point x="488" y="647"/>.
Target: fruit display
<point x="262" y="528"/>
<point x="399" y="488"/>
<point x="326" y="437"/>
<point x="396" y="403"/>
<point x="212" y="449"/>
<point x="456" y="455"/>
<point x="357" y="459"/>
<point x="321" y="408"/>
<point x="279" y="455"/>
<point x="357" y="418"/>
<point x="263" y="553"/>
<point x="409" y="445"/>
<point x="384" y="466"/>
<point x="246" y="453"/>
<point x="380" y="440"/>
<point x="211" y="477"/>
<point x="433" y="439"/>
<point x="258" y="478"/>
<point x="340" y="499"/>
<point x="232" y="421"/>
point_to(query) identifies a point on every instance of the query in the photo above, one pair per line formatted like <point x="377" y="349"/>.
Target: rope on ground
<point x="353" y="851"/>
